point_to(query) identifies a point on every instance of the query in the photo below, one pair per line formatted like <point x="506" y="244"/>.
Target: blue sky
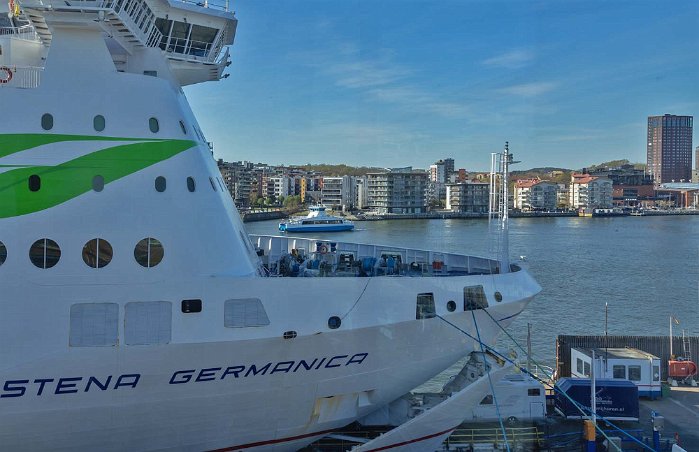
<point x="395" y="83"/>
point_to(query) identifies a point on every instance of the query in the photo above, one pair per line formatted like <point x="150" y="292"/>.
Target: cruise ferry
<point x="137" y="314"/>
<point x="317" y="220"/>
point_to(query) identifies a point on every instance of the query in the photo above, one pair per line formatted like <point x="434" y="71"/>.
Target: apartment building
<point x="278" y="186"/>
<point x="669" y="149"/>
<point x="241" y="179"/>
<point x="339" y="192"/>
<point x="361" y="202"/>
<point x="468" y="197"/>
<point x="398" y="190"/>
<point x="588" y="191"/>
<point x="535" y="194"/>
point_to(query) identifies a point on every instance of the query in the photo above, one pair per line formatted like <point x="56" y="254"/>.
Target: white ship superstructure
<point x="136" y="312"/>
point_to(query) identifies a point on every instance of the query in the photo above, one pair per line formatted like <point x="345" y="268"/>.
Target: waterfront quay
<point x="437" y="215"/>
<point x="679" y="407"/>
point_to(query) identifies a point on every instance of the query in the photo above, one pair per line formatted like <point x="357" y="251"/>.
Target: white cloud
<point x="529" y="89"/>
<point x="511" y="60"/>
<point x="418" y="100"/>
<point x="363" y="74"/>
<point x="380" y="78"/>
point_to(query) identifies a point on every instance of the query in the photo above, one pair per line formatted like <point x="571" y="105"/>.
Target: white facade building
<point x="535" y="194"/>
<point x="590" y="192"/>
<point x="280" y="186"/>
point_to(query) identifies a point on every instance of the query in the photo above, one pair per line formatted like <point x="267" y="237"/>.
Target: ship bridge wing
<point x="189" y="38"/>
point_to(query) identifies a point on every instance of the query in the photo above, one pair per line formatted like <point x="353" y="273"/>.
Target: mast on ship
<point x="498" y="205"/>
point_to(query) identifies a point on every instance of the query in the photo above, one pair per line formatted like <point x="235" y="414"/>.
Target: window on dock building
<point x="619" y="371"/>
<point x="474" y="298"/>
<point x="635" y="373"/>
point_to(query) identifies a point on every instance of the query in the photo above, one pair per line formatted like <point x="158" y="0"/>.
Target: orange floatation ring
<point x="8" y="76"/>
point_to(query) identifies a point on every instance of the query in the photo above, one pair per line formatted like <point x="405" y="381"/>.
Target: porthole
<point x="154" y="125"/>
<point x="191" y="184"/>
<point x="184" y="129"/>
<point x="98" y="183"/>
<point x="3" y="253"/>
<point x="160" y="184"/>
<point x="498" y="297"/>
<point x="334" y="322"/>
<point x="99" y="123"/>
<point x="45" y="253"/>
<point x="97" y="253"/>
<point x="149" y="252"/>
<point x="34" y="183"/>
<point x="47" y="121"/>
<point x="451" y="306"/>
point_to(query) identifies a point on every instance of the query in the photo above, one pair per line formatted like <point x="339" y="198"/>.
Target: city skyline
<point x="369" y="84"/>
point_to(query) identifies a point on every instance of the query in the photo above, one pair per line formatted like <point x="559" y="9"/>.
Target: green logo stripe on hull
<point x="68" y="180"/>
<point x="13" y="143"/>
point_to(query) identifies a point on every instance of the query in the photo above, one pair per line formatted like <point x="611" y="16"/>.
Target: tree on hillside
<point x="338" y="170"/>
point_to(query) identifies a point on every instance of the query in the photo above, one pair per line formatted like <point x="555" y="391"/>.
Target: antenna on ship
<point x="498" y="205"/>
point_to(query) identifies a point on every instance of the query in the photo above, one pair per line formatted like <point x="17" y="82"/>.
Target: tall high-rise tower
<point x="669" y="151"/>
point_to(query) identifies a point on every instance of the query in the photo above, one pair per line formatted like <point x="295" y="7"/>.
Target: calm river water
<point x="646" y="268"/>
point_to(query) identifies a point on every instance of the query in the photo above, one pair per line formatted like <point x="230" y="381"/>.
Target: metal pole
<point x="529" y="347"/>
<point x="593" y="390"/>
<point x="606" y="339"/>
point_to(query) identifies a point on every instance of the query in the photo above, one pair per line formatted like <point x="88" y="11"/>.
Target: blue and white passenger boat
<point x="316" y="221"/>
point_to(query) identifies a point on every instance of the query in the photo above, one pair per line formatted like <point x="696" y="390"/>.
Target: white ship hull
<point x="230" y="406"/>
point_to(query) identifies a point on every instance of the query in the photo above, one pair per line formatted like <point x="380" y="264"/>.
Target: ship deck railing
<point x="306" y="257"/>
<point x="25" y="32"/>
<point x="220" y="5"/>
<point x="23" y="77"/>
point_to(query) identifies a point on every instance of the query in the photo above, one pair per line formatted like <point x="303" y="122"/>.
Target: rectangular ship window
<point x="244" y="312"/>
<point x="148" y="323"/>
<point x="474" y="298"/>
<point x="94" y="325"/>
<point x="425" y="306"/>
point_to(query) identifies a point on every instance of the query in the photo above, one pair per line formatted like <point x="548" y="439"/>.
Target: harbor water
<point x="645" y="268"/>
